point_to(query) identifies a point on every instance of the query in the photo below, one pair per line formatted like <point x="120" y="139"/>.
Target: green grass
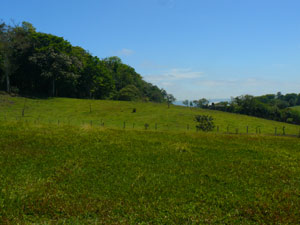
<point x="75" y="175"/>
<point x="115" y="113"/>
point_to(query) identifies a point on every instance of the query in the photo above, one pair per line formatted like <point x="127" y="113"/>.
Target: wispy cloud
<point x="237" y="83"/>
<point x="175" y="74"/>
<point x="279" y="65"/>
<point x="147" y="64"/>
<point x="166" y="3"/>
<point x="125" y="52"/>
<point x="189" y="84"/>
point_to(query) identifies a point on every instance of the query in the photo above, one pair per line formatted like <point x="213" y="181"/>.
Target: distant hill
<point x="213" y="100"/>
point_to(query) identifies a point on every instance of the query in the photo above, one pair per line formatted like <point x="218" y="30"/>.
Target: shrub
<point x="204" y="123"/>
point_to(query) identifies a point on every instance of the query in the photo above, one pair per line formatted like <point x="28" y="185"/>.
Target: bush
<point x="205" y="123"/>
<point x="129" y="93"/>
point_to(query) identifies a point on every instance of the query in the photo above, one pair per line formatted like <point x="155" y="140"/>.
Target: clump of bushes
<point x="204" y="123"/>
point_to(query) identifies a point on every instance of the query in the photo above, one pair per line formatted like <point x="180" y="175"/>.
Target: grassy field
<point x="114" y="113"/>
<point x="83" y="175"/>
<point x="75" y="172"/>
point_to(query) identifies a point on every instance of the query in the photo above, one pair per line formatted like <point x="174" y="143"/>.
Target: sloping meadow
<point x="131" y="116"/>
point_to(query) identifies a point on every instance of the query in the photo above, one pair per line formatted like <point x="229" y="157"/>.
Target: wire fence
<point x="125" y="125"/>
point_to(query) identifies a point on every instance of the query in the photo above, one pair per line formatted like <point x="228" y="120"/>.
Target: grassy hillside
<point x="113" y="114"/>
<point x="83" y="175"/>
<point x="56" y="166"/>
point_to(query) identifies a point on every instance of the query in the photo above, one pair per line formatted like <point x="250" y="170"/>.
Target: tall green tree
<point x="13" y="41"/>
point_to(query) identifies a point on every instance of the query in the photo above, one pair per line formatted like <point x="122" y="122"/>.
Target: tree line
<point x="44" y="65"/>
<point x="271" y="106"/>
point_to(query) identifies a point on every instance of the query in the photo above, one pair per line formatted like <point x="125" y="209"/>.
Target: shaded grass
<point x="82" y="175"/>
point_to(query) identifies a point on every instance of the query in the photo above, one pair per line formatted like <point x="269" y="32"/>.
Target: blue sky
<point x="191" y="48"/>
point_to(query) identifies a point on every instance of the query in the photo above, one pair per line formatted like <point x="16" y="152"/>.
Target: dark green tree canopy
<point x="40" y="64"/>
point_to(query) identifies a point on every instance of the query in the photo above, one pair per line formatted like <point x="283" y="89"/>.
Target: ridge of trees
<point x="271" y="106"/>
<point x="44" y="65"/>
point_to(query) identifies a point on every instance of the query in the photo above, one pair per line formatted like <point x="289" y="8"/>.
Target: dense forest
<point x="271" y="106"/>
<point x="44" y="65"/>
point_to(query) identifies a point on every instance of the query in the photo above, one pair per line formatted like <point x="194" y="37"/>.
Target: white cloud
<point x="167" y="84"/>
<point x="238" y="83"/>
<point x="188" y="84"/>
<point x="126" y="52"/>
<point x="147" y="64"/>
<point x="174" y="75"/>
<point x="167" y="3"/>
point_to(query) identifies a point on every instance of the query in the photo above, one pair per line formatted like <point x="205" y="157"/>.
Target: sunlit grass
<point x="60" y="165"/>
<point x="76" y="175"/>
<point x="113" y="114"/>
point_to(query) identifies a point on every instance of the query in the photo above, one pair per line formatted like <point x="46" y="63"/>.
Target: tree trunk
<point x="53" y="87"/>
<point x="7" y="83"/>
<point x="7" y="73"/>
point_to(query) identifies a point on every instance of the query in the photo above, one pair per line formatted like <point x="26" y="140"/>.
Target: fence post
<point x="124" y="125"/>
<point x="133" y="125"/>
<point x="57" y="122"/>
<point x="275" y="131"/>
<point x="91" y="123"/>
<point x="283" y="130"/>
<point x="247" y="130"/>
